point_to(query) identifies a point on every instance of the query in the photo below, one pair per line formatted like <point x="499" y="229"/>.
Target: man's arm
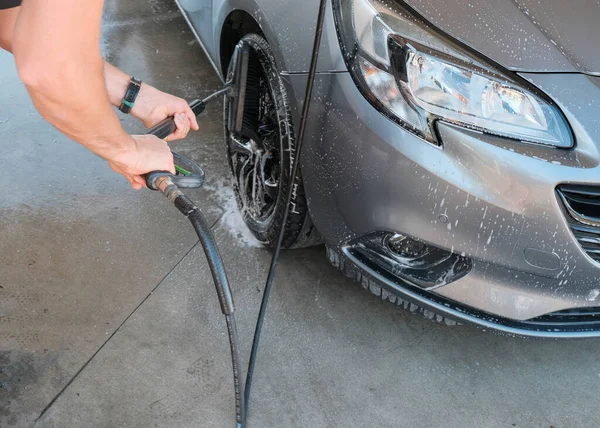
<point x="151" y="105"/>
<point x="57" y="50"/>
<point x="8" y="19"/>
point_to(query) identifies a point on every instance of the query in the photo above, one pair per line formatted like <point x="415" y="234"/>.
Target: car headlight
<point x="418" y="76"/>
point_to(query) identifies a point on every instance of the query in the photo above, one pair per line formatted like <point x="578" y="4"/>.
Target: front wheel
<point x="261" y="156"/>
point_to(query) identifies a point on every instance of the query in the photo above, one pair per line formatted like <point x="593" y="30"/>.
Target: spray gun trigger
<point x="182" y="171"/>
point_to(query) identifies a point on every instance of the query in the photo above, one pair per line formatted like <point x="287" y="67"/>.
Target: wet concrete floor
<point x="105" y="290"/>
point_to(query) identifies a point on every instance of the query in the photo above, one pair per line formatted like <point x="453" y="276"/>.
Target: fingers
<point x="156" y="155"/>
<point x="172" y="167"/>
<point x="150" y="154"/>
<point x="189" y="114"/>
<point x="192" y="118"/>
<point x="138" y="182"/>
<point x="182" y="124"/>
<point x="135" y="184"/>
<point x="128" y="177"/>
<point x="169" y="158"/>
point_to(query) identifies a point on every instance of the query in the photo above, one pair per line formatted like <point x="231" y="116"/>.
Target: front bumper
<point x="488" y="198"/>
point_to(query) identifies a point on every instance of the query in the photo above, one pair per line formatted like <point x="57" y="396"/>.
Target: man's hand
<point x="57" y="51"/>
<point x="147" y="153"/>
<point x="152" y="106"/>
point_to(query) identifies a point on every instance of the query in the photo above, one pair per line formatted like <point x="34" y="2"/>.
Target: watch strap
<point x="128" y="100"/>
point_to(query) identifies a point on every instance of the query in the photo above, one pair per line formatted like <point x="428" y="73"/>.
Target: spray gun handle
<point x="165" y="128"/>
<point x="189" y="174"/>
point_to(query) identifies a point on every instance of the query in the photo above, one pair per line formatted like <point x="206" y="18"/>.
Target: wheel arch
<point x="237" y="18"/>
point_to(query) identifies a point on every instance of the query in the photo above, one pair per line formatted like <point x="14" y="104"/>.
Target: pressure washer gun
<point x="190" y="176"/>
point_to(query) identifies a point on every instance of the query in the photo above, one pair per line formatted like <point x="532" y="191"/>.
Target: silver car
<point x="451" y="162"/>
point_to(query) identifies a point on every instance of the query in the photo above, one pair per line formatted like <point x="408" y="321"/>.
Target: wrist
<point x="116" y="83"/>
<point x="118" y="148"/>
<point x="140" y="109"/>
<point x="130" y="97"/>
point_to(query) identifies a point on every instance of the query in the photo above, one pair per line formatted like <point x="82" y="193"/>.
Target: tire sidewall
<point x="267" y="230"/>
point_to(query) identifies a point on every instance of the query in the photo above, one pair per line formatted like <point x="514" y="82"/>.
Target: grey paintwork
<point x="279" y="22"/>
<point x="364" y="173"/>
<point x="499" y="202"/>
<point x="523" y="35"/>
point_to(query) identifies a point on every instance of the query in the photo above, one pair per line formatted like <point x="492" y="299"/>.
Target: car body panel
<point x="200" y="15"/>
<point x="523" y="35"/>
<point x="277" y="24"/>
<point x="492" y="199"/>
<point x="370" y="174"/>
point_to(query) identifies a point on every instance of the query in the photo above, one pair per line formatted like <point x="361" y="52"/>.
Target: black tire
<point x="372" y="285"/>
<point x="261" y="156"/>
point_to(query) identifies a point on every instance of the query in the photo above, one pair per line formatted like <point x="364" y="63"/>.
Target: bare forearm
<point x="57" y="50"/>
<point x="85" y="116"/>
<point x="116" y="83"/>
<point x="65" y="75"/>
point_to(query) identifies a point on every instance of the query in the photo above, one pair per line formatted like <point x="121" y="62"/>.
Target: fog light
<point x="405" y="246"/>
<point x="399" y="256"/>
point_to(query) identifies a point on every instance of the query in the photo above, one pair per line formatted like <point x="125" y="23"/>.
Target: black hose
<point x="217" y="269"/>
<point x="193" y="213"/>
<point x="303" y="121"/>
<point x="238" y="376"/>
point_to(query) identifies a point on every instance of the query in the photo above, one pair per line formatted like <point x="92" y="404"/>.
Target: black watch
<point x="132" y="92"/>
